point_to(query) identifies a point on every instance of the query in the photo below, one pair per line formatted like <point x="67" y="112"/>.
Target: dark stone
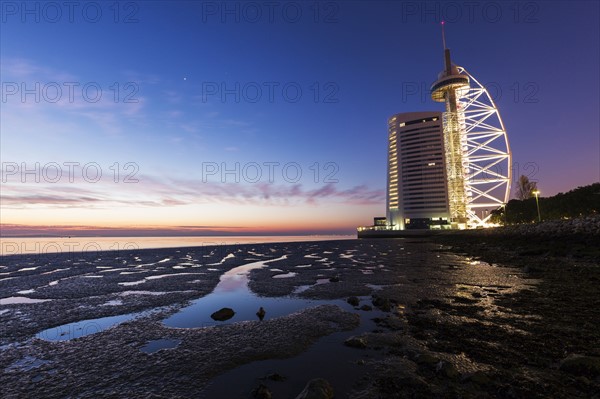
<point x="335" y="279"/>
<point x="356" y="342"/>
<point x="317" y="389"/>
<point x="223" y="314"/>
<point x="354" y="301"/>
<point x="382" y="303"/>
<point x="261" y="313"/>
<point x="261" y="392"/>
<point x="366" y="308"/>
<point x="462" y="299"/>
<point x="276" y="377"/>
<point x="580" y="380"/>
<point x="478" y="378"/>
<point x="581" y="365"/>
<point x="447" y="369"/>
<point x="425" y="358"/>
<point x="532" y="252"/>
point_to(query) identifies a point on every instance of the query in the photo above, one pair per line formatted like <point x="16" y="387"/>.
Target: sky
<point x="211" y="117"/>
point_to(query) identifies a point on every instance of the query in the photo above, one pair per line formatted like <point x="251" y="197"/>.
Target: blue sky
<point x="189" y="75"/>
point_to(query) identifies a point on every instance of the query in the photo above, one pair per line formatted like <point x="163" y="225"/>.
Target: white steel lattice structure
<point x="448" y="175"/>
<point x="477" y="153"/>
<point x="486" y="153"/>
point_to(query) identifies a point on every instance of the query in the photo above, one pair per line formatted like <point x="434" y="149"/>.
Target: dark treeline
<point x="582" y="201"/>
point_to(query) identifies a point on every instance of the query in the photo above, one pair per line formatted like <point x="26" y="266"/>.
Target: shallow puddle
<point x="85" y="327"/>
<point x="159" y="344"/>
<point x="233" y="292"/>
<point x="303" y="288"/>
<point x="321" y="360"/>
<point x="27" y="363"/>
<point x="286" y="275"/>
<point x="16" y="300"/>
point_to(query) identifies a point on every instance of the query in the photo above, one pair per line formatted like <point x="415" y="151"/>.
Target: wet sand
<point x="447" y="316"/>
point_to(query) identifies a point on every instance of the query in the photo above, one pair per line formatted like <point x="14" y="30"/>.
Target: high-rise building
<point x="446" y="169"/>
<point x="416" y="181"/>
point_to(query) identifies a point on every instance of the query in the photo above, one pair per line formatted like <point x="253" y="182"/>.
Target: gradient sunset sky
<point x="291" y="98"/>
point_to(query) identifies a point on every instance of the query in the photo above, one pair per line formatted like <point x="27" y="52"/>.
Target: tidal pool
<point x="159" y="344"/>
<point x="16" y="300"/>
<point x="82" y="328"/>
<point x="232" y="292"/>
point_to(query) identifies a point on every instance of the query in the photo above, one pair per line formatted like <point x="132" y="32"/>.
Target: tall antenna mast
<point x="443" y="35"/>
<point x="448" y="89"/>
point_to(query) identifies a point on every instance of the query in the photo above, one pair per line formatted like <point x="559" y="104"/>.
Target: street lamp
<point x="537" y="203"/>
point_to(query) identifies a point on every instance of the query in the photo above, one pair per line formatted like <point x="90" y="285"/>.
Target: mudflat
<point x="471" y="314"/>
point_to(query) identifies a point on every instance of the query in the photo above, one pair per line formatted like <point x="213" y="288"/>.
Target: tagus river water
<point x="53" y="245"/>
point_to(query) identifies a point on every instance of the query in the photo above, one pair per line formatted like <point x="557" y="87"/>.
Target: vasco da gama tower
<point x="450" y="169"/>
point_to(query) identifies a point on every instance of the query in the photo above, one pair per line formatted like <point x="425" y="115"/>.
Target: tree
<point x="580" y="202"/>
<point x="525" y="188"/>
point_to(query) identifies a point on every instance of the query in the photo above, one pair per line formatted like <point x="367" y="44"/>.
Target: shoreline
<point x="47" y="246"/>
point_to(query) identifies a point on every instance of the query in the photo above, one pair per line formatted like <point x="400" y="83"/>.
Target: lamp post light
<point x="537" y="203"/>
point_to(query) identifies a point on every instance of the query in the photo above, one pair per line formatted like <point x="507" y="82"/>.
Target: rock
<point x="334" y="279"/>
<point x="580" y="380"/>
<point x="261" y="392"/>
<point x="393" y="323"/>
<point x="317" y="389"/>
<point x="276" y="377"/>
<point x="478" y="378"/>
<point x="356" y="342"/>
<point x="366" y="308"/>
<point x="223" y="314"/>
<point x="261" y="313"/>
<point x="425" y="358"/>
<point x="447" y="369"/>
<point x="354" y="301"/>
<point x="463" y="299"/>
<point x="382" y="303"/>
<point x="581" y="365"/>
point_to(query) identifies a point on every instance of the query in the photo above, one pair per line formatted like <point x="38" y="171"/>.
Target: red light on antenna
<point x="443" y="22"/>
